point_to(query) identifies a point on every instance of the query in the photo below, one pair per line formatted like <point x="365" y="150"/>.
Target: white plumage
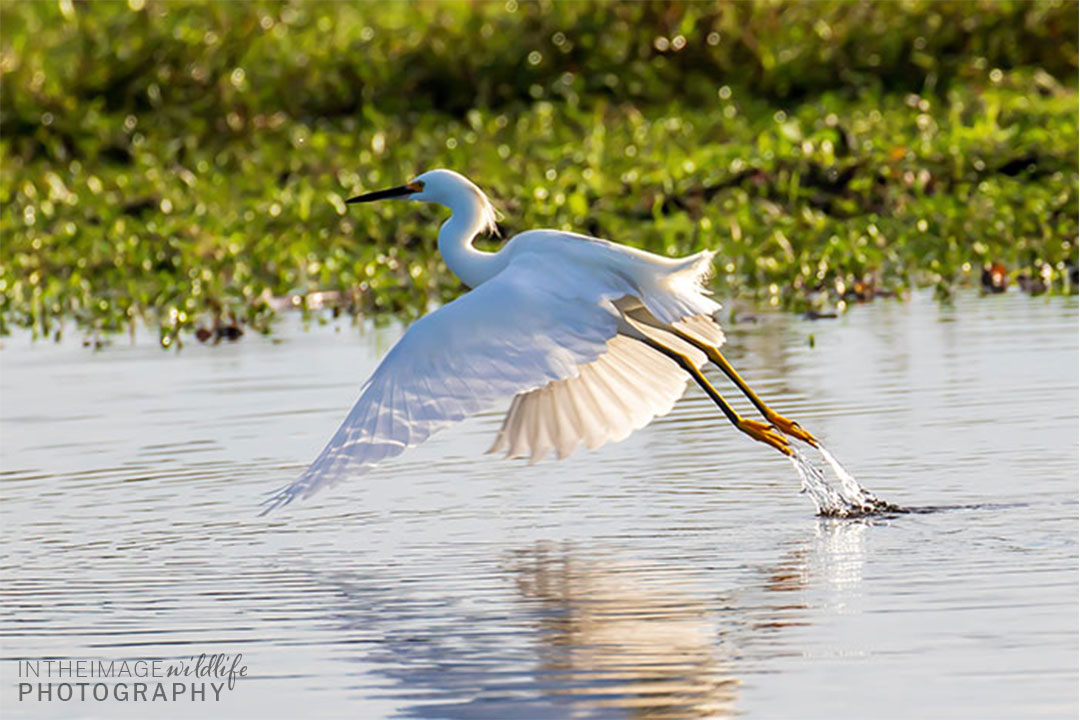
<point x="617" y="393"/>
<point x="542" y="325"/>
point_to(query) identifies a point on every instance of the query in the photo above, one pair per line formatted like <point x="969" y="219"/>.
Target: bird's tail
<point x="683" y="291"/>
<point x="696" y="268"/>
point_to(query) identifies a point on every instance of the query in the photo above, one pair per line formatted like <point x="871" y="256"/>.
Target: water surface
<point x="677" y="574"/>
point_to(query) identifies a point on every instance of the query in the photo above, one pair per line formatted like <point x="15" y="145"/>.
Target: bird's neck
<point x="472" y="266"/>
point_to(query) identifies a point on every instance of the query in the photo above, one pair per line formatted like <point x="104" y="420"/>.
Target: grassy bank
<point x="176" y="163"/>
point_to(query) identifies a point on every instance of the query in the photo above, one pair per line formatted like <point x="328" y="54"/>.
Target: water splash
<point x="852" y="488"/>
<point x="849" y="500"/>
<point x="828" y="501"/>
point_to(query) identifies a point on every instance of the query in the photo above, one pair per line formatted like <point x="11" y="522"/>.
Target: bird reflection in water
<point x="585" y="633"/>
<point x="644" y="640"/>
<point x="618" y="637"/>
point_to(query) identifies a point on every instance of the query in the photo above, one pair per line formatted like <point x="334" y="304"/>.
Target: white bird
<point x="591" y="339"/>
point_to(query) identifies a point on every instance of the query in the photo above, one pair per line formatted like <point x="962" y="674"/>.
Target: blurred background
<point x="185" y="165"/>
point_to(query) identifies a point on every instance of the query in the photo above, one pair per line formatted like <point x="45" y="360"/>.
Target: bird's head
<point x="442" y="187"/>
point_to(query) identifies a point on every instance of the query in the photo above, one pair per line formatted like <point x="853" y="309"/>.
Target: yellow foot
<point x="792" y="428"/>
<point x="762" y="432"/>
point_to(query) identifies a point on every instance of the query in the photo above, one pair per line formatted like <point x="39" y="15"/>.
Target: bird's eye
<point x="416" y="186"/>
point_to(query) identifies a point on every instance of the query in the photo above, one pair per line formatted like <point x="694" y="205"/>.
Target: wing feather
<point x="619" y="392"/>
<point x="516" y="332"/>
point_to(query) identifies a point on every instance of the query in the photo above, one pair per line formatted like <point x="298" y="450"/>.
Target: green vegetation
<point x="181" y="164"/>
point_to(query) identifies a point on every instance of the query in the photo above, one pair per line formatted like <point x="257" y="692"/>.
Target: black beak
<point x="383" y="194"/>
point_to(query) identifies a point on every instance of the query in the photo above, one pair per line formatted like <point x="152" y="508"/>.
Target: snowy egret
<point x="591" y="339"/>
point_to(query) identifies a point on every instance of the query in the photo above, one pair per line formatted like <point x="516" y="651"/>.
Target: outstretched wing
<point x="619" y="392"/>
<point x="526" y="327"/>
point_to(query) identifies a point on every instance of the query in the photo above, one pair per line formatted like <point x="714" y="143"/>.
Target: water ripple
<point x="678" y="574"/>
